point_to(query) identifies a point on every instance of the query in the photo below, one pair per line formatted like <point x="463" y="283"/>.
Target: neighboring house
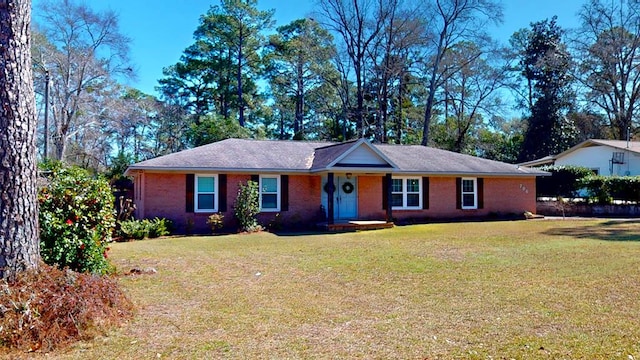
<point x="308" y="182"/>
<point x="604" y="157"/>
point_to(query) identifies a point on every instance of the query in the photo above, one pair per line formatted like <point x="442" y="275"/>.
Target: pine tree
<point x="19" y="246"/>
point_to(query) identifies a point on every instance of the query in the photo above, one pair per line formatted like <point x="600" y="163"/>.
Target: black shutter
<point x="480" y="184"/>
<point x="284" y="192"/>
<point x="256" y="178"/>
<point x="425" y="192"/>
<point x="458" y="193"/>
<point x="189" y="196"/>
<point x="222" y="192"/>
<point x="385" y="197"/>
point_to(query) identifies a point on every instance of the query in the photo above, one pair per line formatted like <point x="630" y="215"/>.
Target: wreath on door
<point x="347" y="187"/>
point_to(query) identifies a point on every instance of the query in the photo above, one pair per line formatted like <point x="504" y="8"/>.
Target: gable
<point x="604" y="159"/>
<point x="362" y="156"/>
<point x="587" y="154"/>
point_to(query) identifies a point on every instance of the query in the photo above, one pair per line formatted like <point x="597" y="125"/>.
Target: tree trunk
<point x="428" y="110"/>
<point x="19" y="244"/>
<point x="239" y="79"/>
<point x="299" y="117"/>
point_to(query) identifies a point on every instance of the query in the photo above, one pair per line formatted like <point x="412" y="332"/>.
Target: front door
<point x="345" y="198"/>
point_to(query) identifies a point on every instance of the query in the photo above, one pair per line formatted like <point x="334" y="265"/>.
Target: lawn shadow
<point x="612" y="230"/>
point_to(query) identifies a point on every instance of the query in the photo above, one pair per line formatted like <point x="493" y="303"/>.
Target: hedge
<point x="605" y="189"/>
<point x="564" y="181"/>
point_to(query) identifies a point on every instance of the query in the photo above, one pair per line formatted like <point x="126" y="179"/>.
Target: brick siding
<point x="164" y="195"/>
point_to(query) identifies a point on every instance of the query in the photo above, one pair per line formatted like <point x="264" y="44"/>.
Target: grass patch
<point x="524" y="290"/>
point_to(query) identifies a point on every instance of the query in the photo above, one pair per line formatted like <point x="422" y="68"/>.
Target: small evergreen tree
<point x="247" y="206"/>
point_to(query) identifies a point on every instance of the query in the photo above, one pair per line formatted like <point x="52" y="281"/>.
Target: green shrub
<point x="605" y="189"/>
<point x="77" y="219"/>
<point x="160" y="227"/>
<point x="135" y="229"/>
<point x="247" y="207"/>
<point x="564" y="181"/>
<point x="141" y="229"/>
<point x="625" y="188"/>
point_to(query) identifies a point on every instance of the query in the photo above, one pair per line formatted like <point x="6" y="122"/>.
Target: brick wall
<point x="370" y="198"/>
<point x="164" y="196"/>
<point x="304" y="204"/>
<point x="503" y="196"/>
<point x="515" y="195"/>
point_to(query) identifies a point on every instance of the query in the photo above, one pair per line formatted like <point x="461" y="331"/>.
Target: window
<point x="406" y="193"/>
<point x="269" y="193"/>
<point x="206" y="191"/>
<point x="469" y="193"/>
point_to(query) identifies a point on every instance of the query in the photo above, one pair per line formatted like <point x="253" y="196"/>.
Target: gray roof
<point x="243" y="155"/>
<point x="422" y="159"/>
<point x="327" y="154"/>
<point x="238" y="154"/>
<point x="633" y="146"/>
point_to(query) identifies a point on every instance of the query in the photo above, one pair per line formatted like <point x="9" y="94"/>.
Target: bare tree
<point x="608" y="43"/>
<point x="391" y="59"/>
<point x="471" y="91"/>
<point x="84" y="52"/>
<point x="358" y="23"/>
<point x="19" y="244"/>
<point x="452" y="21"/>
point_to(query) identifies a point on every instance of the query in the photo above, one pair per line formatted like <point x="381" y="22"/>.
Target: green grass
<point x="493" y="290"/>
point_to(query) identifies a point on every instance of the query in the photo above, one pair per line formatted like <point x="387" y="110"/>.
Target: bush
<point x="564" y="181"/>
<point x="247" y="207"/>
<point x="77" y="219"/>
<point x="141" y="229"/>
<point x="135" y="229"/>
<point x="604" y="189"/>
<point x="160" y="227"/>
<point x="215" y="221"/>
<point x="62" y="307"/>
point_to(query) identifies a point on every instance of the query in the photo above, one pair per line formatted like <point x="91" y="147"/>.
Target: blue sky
<point x="161" y="29"/>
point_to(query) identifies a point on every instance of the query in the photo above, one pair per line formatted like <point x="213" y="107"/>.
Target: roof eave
<point x="474" y="174"/>
<point x="357" y="170"/>
<point x="163" y="169"/>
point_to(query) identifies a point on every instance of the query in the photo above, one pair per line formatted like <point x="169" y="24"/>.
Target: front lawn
<point x="523" y="290"/>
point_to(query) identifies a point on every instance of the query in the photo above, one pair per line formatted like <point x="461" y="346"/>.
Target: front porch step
<point x="359" y="225"/>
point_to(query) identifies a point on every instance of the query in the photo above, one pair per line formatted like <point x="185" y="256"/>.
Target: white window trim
<point x="196" y="206"/>
<point x="278" y="193"/>
<point x="463" y="193"/>
<point x="405" y="192"/>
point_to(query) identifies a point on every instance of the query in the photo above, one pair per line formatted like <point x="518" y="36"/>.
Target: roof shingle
<point x="302" y="156"/>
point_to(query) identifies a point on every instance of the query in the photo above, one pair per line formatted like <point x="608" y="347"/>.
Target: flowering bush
<point x="77" y="218"/>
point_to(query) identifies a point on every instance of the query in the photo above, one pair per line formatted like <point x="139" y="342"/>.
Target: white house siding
<point x="363" y="155"/>
<point x="599" y="158"/>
